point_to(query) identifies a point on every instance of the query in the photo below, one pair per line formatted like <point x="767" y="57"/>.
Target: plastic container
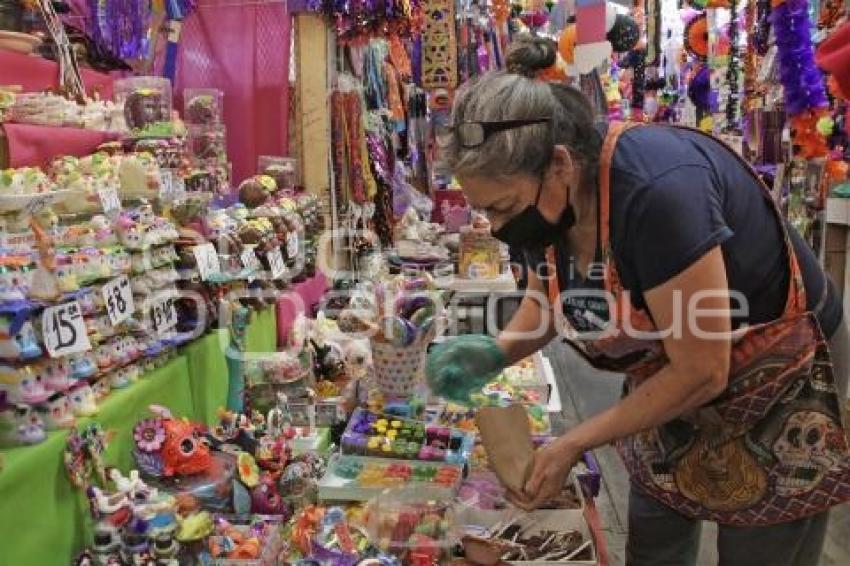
<point x="412" y="525"/>
<point x="146" y="101"/>
<point x="386" y="436"/>
<point x="207" y="145"/>
<point x="284" y="170"/>
<point x="359" y="478"/>
<point x="203" y="106"/>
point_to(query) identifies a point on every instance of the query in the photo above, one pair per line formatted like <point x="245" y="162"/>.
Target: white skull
<point x="806" y="449"/>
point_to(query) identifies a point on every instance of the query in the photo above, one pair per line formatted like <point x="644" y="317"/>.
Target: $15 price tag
<point x="118" y="297"/>
<point x="64" y="330"/>
<point x="207" y="259"/>
<point x="276" y="263"/>
<point x="163" y="314"/>
<point x="109" y="200"/>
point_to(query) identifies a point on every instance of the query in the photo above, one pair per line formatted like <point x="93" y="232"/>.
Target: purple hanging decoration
<point x="416" y="60"/>
<point x="800" y="77"/>
<point x="119" y="26"/>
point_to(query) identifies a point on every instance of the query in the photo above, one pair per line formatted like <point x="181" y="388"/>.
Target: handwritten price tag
<point x="118" y="297"/>
<point x="166" y="184"/>
<point x="276" y="263"/>
<point x="207" y="259"/>
<point x="163" y="315"/>
<point x="109" y="200"/>
<point x="64" y="330"/>
<point x="250" y="261"/>
<point x="292" y="245"/>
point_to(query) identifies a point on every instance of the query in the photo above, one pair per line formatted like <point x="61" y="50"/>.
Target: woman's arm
<point x="695" y="304"/>
<point x="532" y="325"/>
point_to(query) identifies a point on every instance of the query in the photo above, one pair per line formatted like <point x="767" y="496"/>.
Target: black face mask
<point x="530" y="230"/>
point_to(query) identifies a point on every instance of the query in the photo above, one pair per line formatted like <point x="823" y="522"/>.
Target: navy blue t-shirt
<point x="675" y="195"/>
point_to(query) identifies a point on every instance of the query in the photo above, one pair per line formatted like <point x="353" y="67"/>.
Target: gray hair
<point x="499" y="96"/>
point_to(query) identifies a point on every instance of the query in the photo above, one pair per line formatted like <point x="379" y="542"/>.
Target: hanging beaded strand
<point x="732" y="102"/>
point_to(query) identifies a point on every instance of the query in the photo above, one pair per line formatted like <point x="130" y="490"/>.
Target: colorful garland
<point x="800" y="77"/>
<point x="358" y="20"/>
<point x="802" y="81"/>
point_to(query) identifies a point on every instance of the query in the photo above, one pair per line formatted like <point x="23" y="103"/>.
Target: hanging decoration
<point x="439" y="45"/>
<point x="358" y="20"/>
<point x="69" y="69"/>
<point x="653" y="31"/>
<point x="732" y="72"/>
<point x="623" y="35"/>
<point x="696" y="35"/>
<point x="176" y="11"/>
<point x="120" y="26"/>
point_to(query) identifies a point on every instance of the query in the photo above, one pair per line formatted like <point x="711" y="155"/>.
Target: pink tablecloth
<point x="31" y="145"/>
<point x="34" y="74"/>
<point x="296" y="301"/>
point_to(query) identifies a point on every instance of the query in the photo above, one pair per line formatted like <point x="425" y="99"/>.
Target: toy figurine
<point x="166" y="446"/>
<point x="23" y="385"/>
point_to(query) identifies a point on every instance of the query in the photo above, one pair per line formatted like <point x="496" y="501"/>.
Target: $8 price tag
<point x="163" y="315"/>
<point x="64" y="330"/>
<point x="118" y="297"/>
<point x="276" y="263"/>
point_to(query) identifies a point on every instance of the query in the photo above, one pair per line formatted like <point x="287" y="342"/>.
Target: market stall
<point x="213" y="349"/>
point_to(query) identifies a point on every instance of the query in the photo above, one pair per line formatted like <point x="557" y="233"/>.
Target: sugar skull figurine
<point x="82" y="366"/>
<point x="23" y="384"/>
<point x="30" y="427"/>
<point x="101" y="389"/>
<point x="103" y="357"/>
<point x="82" y="399"/>
<point x="119" y="379"/>
<point x="166" y="446"/>
<point x="57" y="373"/>
<point x="17" y="337"/>
<point x="57" y="412"/>
<point x="131" y="347"/>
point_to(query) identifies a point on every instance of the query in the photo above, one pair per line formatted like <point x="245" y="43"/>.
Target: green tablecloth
<point x="43" y="520"/>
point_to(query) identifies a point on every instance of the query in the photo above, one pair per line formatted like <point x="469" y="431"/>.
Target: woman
<point x="730" y="411"/>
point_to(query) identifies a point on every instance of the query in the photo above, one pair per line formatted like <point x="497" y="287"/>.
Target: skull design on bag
<point x="808" y="447"/>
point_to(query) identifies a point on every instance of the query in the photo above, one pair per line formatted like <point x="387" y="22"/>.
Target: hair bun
<point x="529" y="54"/>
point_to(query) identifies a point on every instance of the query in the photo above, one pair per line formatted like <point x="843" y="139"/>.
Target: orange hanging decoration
<point x="501" y="11"/>
<point x="808" y="141"/>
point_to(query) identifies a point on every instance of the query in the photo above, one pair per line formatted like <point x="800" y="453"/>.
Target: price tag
<point x="163" y="314"/>
<point x="118" y="297"/>
<point x="250" y="260"/>
<point x="207" y="259"/>
<point x="109" y="200"/>
<point x="276" y="263"/>
<point x="166" y="184"/>
<point x="292" y="247"/>
<point x="64" y="330"/>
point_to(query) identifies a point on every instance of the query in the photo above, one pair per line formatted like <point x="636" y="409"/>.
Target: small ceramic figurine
<point x="17" y="336"/>
<point x="58" y="375"/>
<point x="83" y="402"/>
<point x="101" y="389"/>
<point x="119" y="379"/>
<point x="23" y="385"/>
<point x="82" y="366"/>
<point x="30" y="427"/>
<point x="56" y="412"/>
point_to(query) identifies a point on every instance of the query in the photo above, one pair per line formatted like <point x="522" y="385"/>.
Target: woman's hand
<point x="552" y="465"/>
<point x="462" y="365"/>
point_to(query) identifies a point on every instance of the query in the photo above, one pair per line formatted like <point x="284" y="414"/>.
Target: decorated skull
<point x="808" y="447"/>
